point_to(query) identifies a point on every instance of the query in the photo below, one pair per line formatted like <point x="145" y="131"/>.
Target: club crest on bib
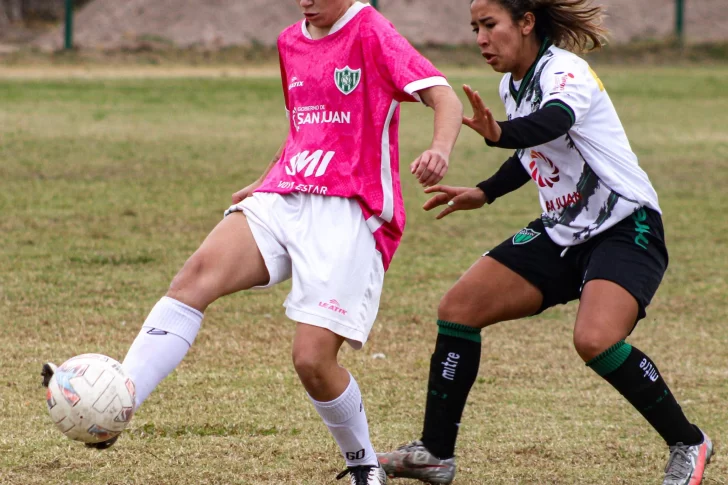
<point x="525" y="236"/>
<point x="347" y="79"/>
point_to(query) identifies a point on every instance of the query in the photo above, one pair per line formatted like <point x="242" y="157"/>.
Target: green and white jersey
<point x="589" y="179"/>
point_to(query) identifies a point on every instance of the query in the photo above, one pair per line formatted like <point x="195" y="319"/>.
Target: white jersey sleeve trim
<point x="386" y="168"/>
<point x="288" y="114"/>
<point x="429" y="82"/>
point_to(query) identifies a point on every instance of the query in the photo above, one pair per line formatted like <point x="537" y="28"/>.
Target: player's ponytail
<point x="574" y="25"/>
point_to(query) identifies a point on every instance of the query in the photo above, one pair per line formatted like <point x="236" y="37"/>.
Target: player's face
<point x="501" y="40"/>
<point x="324" y="13"/>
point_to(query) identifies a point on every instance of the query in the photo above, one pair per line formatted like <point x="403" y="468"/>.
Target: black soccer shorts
<point x="632" y="254"/>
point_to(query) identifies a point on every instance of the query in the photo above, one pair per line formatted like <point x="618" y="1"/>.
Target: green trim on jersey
<point x="460" y="331"/>
<point x="518" y="93"/>
<point x="564" y="106"/>
<point x="611" y="359"/>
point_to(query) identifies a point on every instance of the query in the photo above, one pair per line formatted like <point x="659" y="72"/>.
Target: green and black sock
<point x="636" y="377"/>
<point x="453" y="369"/>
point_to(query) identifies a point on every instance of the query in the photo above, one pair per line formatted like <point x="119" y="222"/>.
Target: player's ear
<point x="528" y="24"/>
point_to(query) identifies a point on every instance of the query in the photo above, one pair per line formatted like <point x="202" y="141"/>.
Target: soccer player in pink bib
<point x="327" y="212"/>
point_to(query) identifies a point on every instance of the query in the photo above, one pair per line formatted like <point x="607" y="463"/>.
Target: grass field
<point x="108" y="184"/>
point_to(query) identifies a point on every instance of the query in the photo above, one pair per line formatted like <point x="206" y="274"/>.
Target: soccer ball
<point x="90" y="399"/>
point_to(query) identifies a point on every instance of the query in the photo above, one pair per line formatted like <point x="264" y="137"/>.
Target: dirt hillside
<point x="217" y="23"/>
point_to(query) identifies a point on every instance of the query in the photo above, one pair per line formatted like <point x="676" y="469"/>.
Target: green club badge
<point x="347" y="79"/>
<point x="525" y="236"/>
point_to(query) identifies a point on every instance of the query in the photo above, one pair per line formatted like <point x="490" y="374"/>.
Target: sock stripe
<point x="460" y="331"/>
<point x="611" y="359"/>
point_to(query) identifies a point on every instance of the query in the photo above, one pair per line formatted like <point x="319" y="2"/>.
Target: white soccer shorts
<point x="324" y="244"/>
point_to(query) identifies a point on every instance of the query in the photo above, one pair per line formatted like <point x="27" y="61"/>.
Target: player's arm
<point x="431" y="166"/>
<point x="511" y="176"/>
<point x="542" y="126"/>
<point x="546" y="124"/>
<point x="248" y="191"/>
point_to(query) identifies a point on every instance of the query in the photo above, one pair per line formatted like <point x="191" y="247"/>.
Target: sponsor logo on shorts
<point x="332" y="305"/>
<point x="525" y="236"/>
<point x="641" y="229"/>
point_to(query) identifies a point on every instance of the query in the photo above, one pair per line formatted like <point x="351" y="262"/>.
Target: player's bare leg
<point x="487" y="293"/>
<point x="336" y="396"/>
<point x="227" y="261"/>
<point x="315" y="352"/>
<point x="607" y="314"/>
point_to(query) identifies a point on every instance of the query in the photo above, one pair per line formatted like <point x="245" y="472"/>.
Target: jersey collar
<point x="518" y="93"/>
<point x="350" y="14"/>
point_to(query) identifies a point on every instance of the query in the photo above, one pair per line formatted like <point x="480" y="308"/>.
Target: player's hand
<point x="430" y="167"/>
<point x="455" y="199"/>
<point x="243" y="194"/>
<point x="482" y="121"/>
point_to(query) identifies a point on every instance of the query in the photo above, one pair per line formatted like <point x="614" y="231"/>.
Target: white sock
<point x="347" y="422"/>
<point x="167" y="334"/>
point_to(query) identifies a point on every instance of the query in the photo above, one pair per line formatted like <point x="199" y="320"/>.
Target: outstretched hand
<point x="482" y="120"/>
<point x="430" y="167"/>
<point x="456" y="198"/>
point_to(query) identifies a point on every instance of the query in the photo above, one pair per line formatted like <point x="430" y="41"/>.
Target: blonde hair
<point x="574" y="25"/>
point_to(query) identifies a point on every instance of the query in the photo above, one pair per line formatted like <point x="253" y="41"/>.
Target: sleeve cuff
<point x="564" y="106"/>
<point x="429" y="82"/>
<point x="484" y="186"/>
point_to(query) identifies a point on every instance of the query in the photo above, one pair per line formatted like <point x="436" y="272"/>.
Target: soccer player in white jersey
<point x="599" y="239"/>
<point x="327" y="212"/>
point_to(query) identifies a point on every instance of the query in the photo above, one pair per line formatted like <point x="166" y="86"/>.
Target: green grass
<point x="108" y="185"/>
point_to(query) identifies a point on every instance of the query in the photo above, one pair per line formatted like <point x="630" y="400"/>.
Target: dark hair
<point x="575" y="25"/>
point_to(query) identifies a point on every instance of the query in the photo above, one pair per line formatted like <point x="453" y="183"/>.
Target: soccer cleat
<point x="47" y="372"/>
<point x="687" y="463"/>
<point x="413" y="460"/>
<point x="364" y="475"/>
<point x="103" y="445"/>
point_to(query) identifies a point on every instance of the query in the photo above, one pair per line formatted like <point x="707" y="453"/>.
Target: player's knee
<point x="189" y="285"/>
<point x="589" y="343"/>
<point x="310" y="367"/>
<point x="457" y="307"/>
<point x="190" y="274"/>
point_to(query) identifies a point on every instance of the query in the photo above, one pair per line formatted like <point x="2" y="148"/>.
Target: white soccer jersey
<point x="589" y="179"/>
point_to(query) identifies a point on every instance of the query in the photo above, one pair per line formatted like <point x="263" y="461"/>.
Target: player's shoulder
<point x="290" y="33"/>
<point x="373" y="23"/>
<point x="503" y="87"/>
<point x="557" y="59"/>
